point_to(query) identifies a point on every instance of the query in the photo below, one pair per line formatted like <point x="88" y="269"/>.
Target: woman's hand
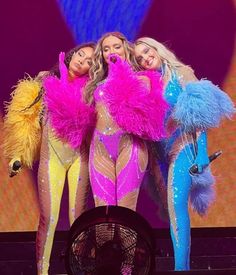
<point x="118" y="66"/>
<point x="14" y="167"/>
<point x="114" y="59"/>
<point x="202" y="159"/>
<point x="62" y="67"/>
<point x="41" y="75"/>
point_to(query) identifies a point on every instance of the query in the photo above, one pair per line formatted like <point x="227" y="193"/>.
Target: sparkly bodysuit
<point x="118" y="151"/>
<point x="117" y="160"/>
<point x="59" y="161"/>
<point x="176" y="155"/>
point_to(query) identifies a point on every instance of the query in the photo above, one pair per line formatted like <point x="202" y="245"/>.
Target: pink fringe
<point x="135" y="108"/>
<point x="69" y="116"/>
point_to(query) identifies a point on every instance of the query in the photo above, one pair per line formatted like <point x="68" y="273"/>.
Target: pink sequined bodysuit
<point x="117" y="160"/>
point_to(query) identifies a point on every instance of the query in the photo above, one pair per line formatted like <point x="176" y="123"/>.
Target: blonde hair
<point x="99" y="69"/>
<point x="167" y="57"/>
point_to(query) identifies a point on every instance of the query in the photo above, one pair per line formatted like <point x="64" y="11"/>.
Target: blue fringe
<point x="202" y="192"/>
<point x="202" y="105"/>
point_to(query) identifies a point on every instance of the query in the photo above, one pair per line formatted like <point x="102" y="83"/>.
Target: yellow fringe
<point x="22" y="130"/>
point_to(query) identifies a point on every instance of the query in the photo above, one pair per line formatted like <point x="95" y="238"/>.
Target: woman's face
<point x="81" y="61"/>
<point x="147" y="57"/>
<point x="112" y="45"/>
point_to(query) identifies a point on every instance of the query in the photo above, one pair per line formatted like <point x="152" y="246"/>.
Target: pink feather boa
<point x="69" y="116"/>
<point x="135" y="108"/>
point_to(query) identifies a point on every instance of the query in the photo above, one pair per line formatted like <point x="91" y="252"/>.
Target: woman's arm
<point x="22" y="128"/>
<point x="186" y="75"/>
<point x="69" y="116"/>
<point x="201" y="105"/>
<point x="202" y="159"/>
<point x="135" y="100"/>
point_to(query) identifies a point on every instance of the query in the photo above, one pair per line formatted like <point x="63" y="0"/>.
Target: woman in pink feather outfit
<point x="130" y="110"/>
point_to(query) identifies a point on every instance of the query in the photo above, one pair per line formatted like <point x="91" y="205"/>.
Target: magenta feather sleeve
<point x="136" y="108"/>
<point x="69" y="116"/>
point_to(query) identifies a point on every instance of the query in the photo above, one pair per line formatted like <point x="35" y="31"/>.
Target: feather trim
<point x="202" y="105"/>
<point x="134" y="108"/>
<point x="202" y="192"/>
<point x="69" y="116"/>
<point x="22" y="129"/>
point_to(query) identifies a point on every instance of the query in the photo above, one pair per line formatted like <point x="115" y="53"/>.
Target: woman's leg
<point x="78" y="181"/>
<point x="131" y="165"/>
<point x="51" y="178"/>
<point x="102" y="172"/>
<point x="130" y="168"/>
<point x="179" y="182"/>
<point x="102" y="178"/>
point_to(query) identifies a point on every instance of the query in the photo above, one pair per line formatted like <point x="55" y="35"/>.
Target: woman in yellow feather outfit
<point x="22" y="127"/>
<point x="29" y="129"/>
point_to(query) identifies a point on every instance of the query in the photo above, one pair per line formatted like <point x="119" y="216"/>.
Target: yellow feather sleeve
<point x="22" y="129"/>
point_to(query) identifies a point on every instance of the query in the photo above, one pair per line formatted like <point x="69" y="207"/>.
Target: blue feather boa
<point x="202" y="105"/>
<point x="202" y="192"/>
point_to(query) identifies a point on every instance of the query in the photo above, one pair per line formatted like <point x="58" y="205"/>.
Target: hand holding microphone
<point x="14" y="167"/>
<point x="115" y="64"/>
<point x="193" y="170"/>
<point x="113" y="58"/>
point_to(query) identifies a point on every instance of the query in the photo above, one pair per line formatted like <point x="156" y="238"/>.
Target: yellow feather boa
<point x="22" y="129"/>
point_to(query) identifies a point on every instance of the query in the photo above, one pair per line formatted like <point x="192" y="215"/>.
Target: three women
<point x="123" y="109"/>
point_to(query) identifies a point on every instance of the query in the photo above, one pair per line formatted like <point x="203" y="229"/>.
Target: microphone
<point x="113" y="58"/>
<point x="15" y="167"/>
<point x="194" y="169"/>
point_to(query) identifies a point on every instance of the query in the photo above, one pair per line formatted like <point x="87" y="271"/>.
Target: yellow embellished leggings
<point x="58" y="161"/>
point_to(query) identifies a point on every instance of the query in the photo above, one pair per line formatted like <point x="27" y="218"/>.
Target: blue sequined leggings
<point x="179" y="182"/>
<point x="180" y="158"/>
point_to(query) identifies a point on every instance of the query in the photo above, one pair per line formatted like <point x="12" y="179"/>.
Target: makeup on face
<point x="112" y="45"/>
<point x="147" y="57"/>
<point x="81" y="61"/>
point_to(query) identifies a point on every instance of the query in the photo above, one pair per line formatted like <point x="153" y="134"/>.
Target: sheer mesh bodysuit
<point x="58" y="160"/>
<point x="117" y="160"/>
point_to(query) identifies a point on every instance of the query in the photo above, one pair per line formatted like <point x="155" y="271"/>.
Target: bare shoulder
<point x="186" y="74"/>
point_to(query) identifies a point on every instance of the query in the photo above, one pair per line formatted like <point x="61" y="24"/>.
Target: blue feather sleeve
<point x="202" y="192"/>
<point x="202" y="105"/>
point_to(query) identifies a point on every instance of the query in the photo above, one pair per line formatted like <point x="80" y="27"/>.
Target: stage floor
<point x="213" y="251"/>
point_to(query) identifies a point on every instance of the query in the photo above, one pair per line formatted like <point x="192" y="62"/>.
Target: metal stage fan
<point x="110" y="240"/>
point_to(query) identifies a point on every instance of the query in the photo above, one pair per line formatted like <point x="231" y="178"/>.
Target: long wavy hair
<point x="168" y="58"/>
<point x="55" y="69"/>
<point x="68" y="56"/>
<point x="99" y="68"/>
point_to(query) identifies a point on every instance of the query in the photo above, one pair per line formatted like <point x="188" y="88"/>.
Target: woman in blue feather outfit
<point x="195" y="106"/>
